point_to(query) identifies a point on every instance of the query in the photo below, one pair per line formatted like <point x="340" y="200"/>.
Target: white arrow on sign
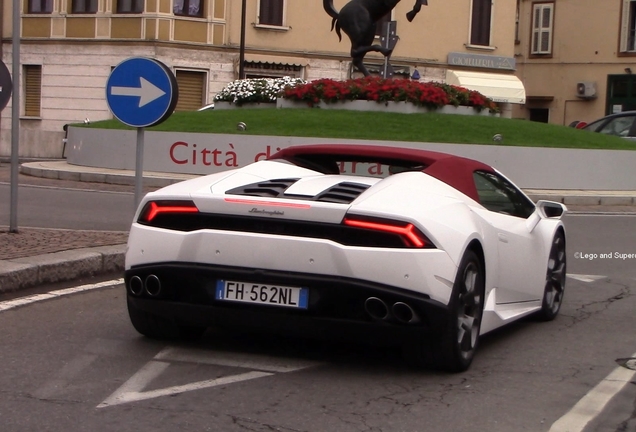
<point x="146" y="92"/>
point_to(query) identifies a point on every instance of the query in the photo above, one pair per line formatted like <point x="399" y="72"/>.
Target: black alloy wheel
<point x="554" y="280"/>
<point x="453" y="350"/>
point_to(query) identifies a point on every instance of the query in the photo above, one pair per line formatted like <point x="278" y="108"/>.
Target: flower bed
<point x="431" y="96"/>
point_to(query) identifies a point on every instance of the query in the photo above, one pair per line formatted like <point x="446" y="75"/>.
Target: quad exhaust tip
<point x="376" y="308"/>
<point x="136" y="285"/>
<point x="153" y="286"/>
<point x="400" y="311"/>
<point x="404" y="313"/>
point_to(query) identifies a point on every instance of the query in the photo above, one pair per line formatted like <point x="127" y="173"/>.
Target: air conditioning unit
<point x="586" y="90"/>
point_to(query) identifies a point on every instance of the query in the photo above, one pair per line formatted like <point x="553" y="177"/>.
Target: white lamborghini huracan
<point x="424" y="249"/>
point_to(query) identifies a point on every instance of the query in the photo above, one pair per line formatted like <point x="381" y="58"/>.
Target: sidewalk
<point x="36" y="256"/>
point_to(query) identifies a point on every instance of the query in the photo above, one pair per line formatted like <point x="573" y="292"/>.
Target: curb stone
<point x="64" y="266"/>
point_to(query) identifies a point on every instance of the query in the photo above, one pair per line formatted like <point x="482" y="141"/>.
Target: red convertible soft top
<point x="453" y="170"/>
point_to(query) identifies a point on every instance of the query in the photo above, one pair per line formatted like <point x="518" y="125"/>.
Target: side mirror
<point x="545" y="210"/>
<point x="551" y="209"/>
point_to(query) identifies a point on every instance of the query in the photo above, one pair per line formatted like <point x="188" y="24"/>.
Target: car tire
<point x="454" y="348"/>
<point x="156" y="327"/>
<point x="554" y="280"/>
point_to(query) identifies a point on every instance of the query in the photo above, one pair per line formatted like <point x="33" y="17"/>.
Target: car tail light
<point x="410" y="235"/>
<point x="155" y="208"/>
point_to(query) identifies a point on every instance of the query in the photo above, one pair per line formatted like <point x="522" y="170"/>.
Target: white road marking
<point x="132" y="390"/>
<point x="23" y="301"/>
<point x="234" y="359"/>
<point x="600" y="214"/>
<point x="586" y="278"/>
<point x="593" y="403"/>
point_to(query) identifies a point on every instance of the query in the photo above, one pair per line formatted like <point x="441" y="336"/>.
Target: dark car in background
<point x="619" y="124"/>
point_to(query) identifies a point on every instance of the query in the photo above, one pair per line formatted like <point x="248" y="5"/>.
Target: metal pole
<point x="386" y="44"/>
<point x="139" y="167"/>
<point x="242" y="47"/>
<point x="15" y="118"/>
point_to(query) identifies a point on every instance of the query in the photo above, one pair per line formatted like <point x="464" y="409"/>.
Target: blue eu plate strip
<point x="220" y="289"/>
<point x="303" y="301"/>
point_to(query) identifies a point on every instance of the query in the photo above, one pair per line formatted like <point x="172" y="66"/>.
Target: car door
<point x="521" y="252"/>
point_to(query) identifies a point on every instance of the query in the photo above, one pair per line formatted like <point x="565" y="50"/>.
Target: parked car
<point x="424" y="249"/>
<point x="619" y="124"/>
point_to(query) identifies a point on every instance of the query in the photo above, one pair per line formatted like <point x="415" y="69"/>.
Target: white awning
<point x="275" y="59"/>
<point x="498" y="87"/>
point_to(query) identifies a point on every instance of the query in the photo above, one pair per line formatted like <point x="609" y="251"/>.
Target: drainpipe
<point x="565" y="108"/>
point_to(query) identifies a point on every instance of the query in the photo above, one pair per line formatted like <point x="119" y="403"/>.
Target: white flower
<point x="256" y="89"/>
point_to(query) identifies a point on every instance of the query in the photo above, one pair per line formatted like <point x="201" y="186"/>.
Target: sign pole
<point x="141" y="92"/>
<point x="242" y="44"/>
<point x="15" y="119"/>
<point x="139" y="167"/>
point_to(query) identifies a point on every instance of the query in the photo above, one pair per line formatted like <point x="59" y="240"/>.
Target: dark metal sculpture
<point x="358" y="20"/>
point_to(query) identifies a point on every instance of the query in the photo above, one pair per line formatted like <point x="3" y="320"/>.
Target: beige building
<point x="576" y="58"/>
<point x="69" y="47"/>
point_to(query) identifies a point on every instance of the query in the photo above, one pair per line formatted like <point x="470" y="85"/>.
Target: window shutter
<point x="271" y="12"/>
<point x="542" y="23"/>
<point x="625" y="25"/>
<point x="480" y="22"/>
<point x="191" y="90"/>
<point x="32" y="90"/>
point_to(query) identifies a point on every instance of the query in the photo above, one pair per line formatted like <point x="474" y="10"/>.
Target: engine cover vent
<point x="341" y="193"/>
<point x="266" y="189"/>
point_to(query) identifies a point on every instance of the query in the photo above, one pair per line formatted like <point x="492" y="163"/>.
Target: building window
<point x="188" y="8"/>
<point x="32" y="90"/>
<point x="628" y="26"/>
<point x="40" y="6"/>
<point x="130" y="6"/>
<point x="542" y="23"/>
<point x="191" y="90"/>
<point x="480" y="22"/>
<point x="541" y="115"/>
<point x="271" y="12"/>
<point x="84" y="6"/>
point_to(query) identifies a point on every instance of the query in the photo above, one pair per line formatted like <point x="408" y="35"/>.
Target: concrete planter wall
<point x="394" y="107"/>
<point x="222" y="105"/>
<point x="196" y="153"/>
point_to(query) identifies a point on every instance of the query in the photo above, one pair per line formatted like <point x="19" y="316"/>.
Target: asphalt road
<point x="75" y="363"/>
<point x="44" y="206"/>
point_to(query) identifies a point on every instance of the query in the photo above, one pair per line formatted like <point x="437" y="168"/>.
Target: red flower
<point x="432" y="95"/>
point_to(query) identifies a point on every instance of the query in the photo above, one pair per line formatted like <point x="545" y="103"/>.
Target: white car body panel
<point x="428" y="271"/>
<point x="515" y="256"/>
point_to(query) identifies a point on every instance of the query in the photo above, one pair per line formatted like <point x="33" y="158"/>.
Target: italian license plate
<point x="274" y="295"/>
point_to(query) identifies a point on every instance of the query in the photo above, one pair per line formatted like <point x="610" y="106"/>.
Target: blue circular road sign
<point x="6" y="85"/>
<point x="141" y="92"/>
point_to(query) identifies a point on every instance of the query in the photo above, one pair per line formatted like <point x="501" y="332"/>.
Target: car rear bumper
<point x="430" y="272"/>
<point x="335" y="304"/>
